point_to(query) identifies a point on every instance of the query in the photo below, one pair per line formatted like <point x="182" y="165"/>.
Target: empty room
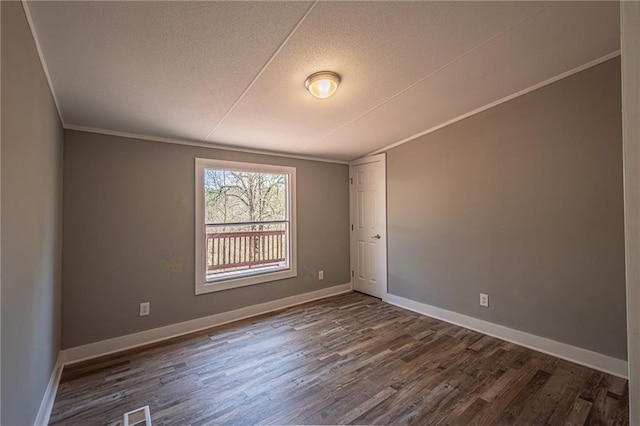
<point x="320" y="212"/>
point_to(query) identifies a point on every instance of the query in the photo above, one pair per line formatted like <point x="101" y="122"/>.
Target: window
<point x="245" y="224"/>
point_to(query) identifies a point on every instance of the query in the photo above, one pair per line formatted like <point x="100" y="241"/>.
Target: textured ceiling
<point x="232" y="73"/>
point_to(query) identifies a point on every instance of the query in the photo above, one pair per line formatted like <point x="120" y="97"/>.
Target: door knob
<point x="377" y="236"/>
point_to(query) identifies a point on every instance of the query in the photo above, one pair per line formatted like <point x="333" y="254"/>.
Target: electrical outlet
<point x="144" y="309"/>
<point x="484" y="300"/>
<point x="321" y="275"/>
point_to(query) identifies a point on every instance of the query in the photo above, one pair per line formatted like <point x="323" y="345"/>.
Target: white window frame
<point x="202" y="286"/>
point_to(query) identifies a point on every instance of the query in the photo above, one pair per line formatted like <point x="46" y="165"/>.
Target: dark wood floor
<point x="347" y="359"/>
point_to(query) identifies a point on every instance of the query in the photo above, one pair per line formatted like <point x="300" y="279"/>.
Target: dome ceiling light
<point x="322" y="84"/>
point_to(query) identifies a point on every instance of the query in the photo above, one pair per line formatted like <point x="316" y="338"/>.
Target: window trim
<point x="201" y="284"/>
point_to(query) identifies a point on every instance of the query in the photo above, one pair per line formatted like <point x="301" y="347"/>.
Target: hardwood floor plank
<point x="466" y="416"/>
<point x="579" y="413"/>
<point x="556" y="399"/>
<point x="366" y="406"/>
<point x="522" y="403"/>
<point x="349" y="359"/>
<point x="499" y="385"/>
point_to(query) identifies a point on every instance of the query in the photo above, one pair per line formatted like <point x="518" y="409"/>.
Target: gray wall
<point x="31" y="223"/>
<point x="524" y="202"/>
<point x="129" y="205"/>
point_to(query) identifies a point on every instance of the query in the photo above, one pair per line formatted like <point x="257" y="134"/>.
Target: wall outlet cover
<point x="144" y="309"/>
<point x="484" y="300"/>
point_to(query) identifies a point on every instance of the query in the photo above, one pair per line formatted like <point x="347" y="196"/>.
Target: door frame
<point x="352" y="246"/>
<point x="630" y="55"/>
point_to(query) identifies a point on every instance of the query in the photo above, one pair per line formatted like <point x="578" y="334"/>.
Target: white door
<point x="368" y="212"/>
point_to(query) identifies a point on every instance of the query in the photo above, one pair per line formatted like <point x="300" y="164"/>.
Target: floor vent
<point x="140" y="416"/>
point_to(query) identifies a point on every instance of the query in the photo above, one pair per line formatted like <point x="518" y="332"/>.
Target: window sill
<point x="211" y="287"/>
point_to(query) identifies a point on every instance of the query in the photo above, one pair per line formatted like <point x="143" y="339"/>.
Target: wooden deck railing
<point x="244" y="249"/>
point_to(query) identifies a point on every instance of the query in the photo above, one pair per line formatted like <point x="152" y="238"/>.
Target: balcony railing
<point x="227" y="251"/>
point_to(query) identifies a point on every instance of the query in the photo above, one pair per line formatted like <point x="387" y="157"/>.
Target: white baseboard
<point x="42" y="418"/>
<point x="117" y="344"/>
<point x="581" y="356"/>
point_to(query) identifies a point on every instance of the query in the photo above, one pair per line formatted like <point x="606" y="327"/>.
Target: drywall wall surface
<point x="31" y="223"/>
<point x="129" y="235"/>
<point x="523" y="202"/>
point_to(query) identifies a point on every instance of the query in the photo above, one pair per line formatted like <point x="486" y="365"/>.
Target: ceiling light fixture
<point x="322" y="84"/>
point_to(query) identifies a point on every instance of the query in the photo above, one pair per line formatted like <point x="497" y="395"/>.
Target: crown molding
<point x="198" y="144"/>
<point x="502" y="100"/>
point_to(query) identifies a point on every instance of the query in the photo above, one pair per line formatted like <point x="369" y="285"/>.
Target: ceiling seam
<point x="208" y="145"/>
<point x="264" y="67"/>
<point x="502" y="100"/>
<point x="489" y="40"/>
<point x="34" y="35"/>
